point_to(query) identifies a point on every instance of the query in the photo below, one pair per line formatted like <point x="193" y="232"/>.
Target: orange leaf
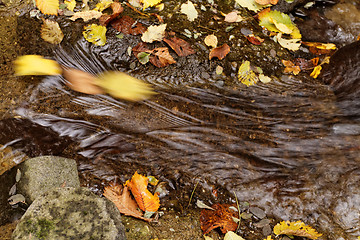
<point x="290" y="67"/>
<point x="266" y="2"/>
<point x="320" y="48"/>
<point x="81" y="81"/>
<point x="161" y="57"/>
<point x="222" y="217"/>
<point x="145" y="200"/>
<point x="180" y="46"/>
<point x="219" y="52"/>
<point x="106" y="18"/>
<point x="123" y="201"/>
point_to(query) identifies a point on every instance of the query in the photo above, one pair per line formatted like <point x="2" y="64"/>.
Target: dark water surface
<point x="285" y="146"/>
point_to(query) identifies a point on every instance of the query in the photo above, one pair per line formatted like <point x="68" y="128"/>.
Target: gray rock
<point x="70" y="213"/>
<point x="41" y="174"/>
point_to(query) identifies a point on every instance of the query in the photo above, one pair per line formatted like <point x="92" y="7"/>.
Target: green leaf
<point x="143" y="57"/>
<point x="250" y="4"/>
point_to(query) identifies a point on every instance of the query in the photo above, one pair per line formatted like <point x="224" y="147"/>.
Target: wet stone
<point x="262" y="223"/>
<point x="70" y="213"/>
<point x="258" y="212"/>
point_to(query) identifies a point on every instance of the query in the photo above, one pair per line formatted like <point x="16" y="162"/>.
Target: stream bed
<point x="288" y="146"/>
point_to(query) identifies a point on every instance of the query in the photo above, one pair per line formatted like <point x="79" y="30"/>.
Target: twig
<point x="134" y="9"/>
<point x="192" y="194"/>
<point x="238" y="207"/>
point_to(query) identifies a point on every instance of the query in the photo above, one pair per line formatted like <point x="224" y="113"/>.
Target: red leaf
<point x="222" y="217"/>
<point x="126" y="25"/>
<point x="180" y="46"/>
<point x="219" y="52"/>
<point x="106" y="18"/>
<point x="254" y="39"/>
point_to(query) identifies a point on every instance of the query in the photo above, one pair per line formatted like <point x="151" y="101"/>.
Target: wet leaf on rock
<point x="250" y="4"/>
<point x="48" y="6"/>
<point x="102" y="5"/>
<point x="117" y="10"/>
<point x="123" y="201"/>
<point x="36" y="65"/>
<point x="180" y="46"/>
<point x="222" y="217"/>
<point x="233" y="17"/>
<point x="219" y="52"/>
<point x="143" y="57"/>
<point x="122" y="85"/>
<point x="296" y="229"/>
<point x="149" y="3"/>
<point x="86" y="15"/>
<point x="138" y="187"/>
<point x="160" y="57"/>
<point x="51" y="32"/>
<point x="127" y="25"/>
<point x="315" y="73"/>
<point x="189" y="10"/>
<point x="154" y="33"/>
<point x="266" y="2"/>
<point x="81" y="81"/>
<point x="320" y="48"/>
<point x="291" y="44"/>
<point x="95" y="34"/>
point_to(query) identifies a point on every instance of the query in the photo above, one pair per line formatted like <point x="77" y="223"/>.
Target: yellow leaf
<point x="104" y="4"/>
<point x="291" y="44"/>
<point x="149" y="3"/>
<point x="70" y="4"/>
<point x="48" y="6"/>
<point x="95" y="34"/>
<point x="297" y="229"/>
<point x="268" y="238"/>
<point x="124" y="86"/>
<point x="36" y="65"/>
<point x="315" y="73"/>
<point x="264" y="79"/>
<point x="154" y="33"/>
<point x="51" y="32"/>
<point x="246" y="75"/>
<point x="211" y="41"/>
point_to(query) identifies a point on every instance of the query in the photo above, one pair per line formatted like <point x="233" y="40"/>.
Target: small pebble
<point x="258" y="212"/>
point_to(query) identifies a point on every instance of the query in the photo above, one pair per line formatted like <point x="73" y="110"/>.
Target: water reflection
<point x="285" y="146"/>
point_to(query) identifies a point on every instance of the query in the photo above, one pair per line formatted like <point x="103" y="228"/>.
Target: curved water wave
<point x="285" y="146"/>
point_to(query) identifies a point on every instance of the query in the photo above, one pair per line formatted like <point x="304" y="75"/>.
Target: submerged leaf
<point x="189" y="10"/>
<point x="51" y="32"/>
<point x="154" y="33"/>
<point x="290" y="67"/>
<point x="246" y="75"/>
<point x="297" y="229"/>
<point x="48" y="6"/>
<point x="95" y="34"/>
<point x="36" y="65"/>
<point x="145" y="200"/>
<point x="122" y="85"/>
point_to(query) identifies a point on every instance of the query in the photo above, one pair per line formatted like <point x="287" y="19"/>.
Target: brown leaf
<point x="222" y="217"/>
<point x="161" y="57"/>
<point x="81" y="81"/>
<point x="219" y="52"/>
<point x="145" y="200"/>
<point x="266" y="2"/>
<point x="290" y="67"/>
<point x="180" y="46"/>
<point x="106" y="18"/>
<point x="305" y="64"/>
<point x="256" y="40"/>
<point x="126" y="25"/>
<point x="123" y="201"/>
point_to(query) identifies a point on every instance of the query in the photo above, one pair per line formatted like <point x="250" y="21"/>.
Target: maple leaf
<point x="106" y="18"/>
<point x="290" y="67"/>
<point x="149" y="3"/>
<point x="86" y="15"/>
<point x="222" y="217"/>
<point x="48" y="6"/>
<point x="95" y="34"/>
<point x="161" y="57"/>
<point x="189" y="10"/>
<point x="219" y="52"/>
<point x="123" y="201"/>
<point x="246" y="75"/>
<point x="51" y="32"/>
<point x="81" y="81"/>
<point x="36" y="65"/>
<point x="127" y="25"/>
<point x="154" y="33"/>
<point x="145" y="200"/>
<point x="180" y="46"/>
<point x="296" y="229"/>
<point x="122" y="85"/>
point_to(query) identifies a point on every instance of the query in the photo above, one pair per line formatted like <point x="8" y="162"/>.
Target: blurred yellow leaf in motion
<point x="36" y="65"/>
<point x="48" y="6"/>
<point x="95" y="34"/>
<point x="51" y="32"/>
<point x="297" y="229"/>
<point x="122" y="85"/>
